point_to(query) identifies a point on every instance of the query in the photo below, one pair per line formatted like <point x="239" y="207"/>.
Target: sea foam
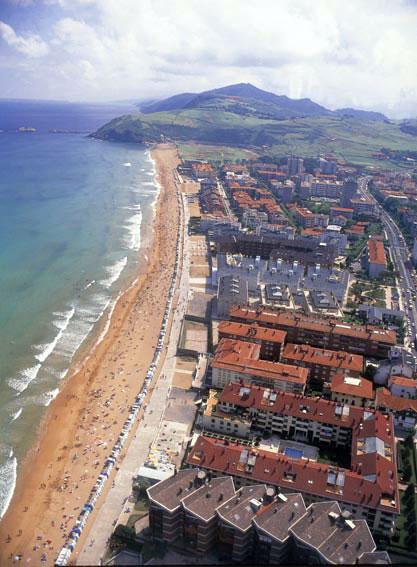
<point x="49" y="396"/>
<point x="133" y="237"/>
<point x="8" y="475"/>
<point x="16" y="415"/>
<point x="26" y="376"/>
<point x="114" y="271"/>
<point x="61" y="323"/>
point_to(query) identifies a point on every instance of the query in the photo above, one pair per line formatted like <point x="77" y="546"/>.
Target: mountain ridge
<point x="278" y="106"/>
<point x="257" y="122"/>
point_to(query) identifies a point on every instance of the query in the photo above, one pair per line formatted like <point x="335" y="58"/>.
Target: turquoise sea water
<point x="74" y="216"/>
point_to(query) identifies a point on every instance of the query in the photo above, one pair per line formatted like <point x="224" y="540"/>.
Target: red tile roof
<point x="278" y="469"/>
<point x="252" y="332"/>
<point x="318" y="231"/>
<point x="394" y="403"/>
<point x="401" y="381"/>
<point x="202" y="167"/>
<point x="376" y="252"/>
<point x="314" y="409"/>
<point x="342" y="384"/>
<point x="243" y="357"/>
<point x="341" y="210"/>
<point x="323" y="357"/>
<point x="325" y="326"/>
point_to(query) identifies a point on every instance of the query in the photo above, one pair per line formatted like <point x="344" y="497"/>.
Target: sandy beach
<point x="83" y="422"/>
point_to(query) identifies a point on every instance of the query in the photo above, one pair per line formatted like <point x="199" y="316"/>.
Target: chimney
<point x="201" y="478"/>
<point x="269" y="494"/>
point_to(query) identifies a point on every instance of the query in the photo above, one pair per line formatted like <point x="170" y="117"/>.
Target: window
<point x="290" y="477"/>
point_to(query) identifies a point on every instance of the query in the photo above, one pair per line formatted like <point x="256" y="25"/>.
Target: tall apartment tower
<point x="295" y="166"/>
<point x="350" y="191"/>
<point x="328" y="167"/>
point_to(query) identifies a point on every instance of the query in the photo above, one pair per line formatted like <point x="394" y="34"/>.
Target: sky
<point x="350" y="53"/>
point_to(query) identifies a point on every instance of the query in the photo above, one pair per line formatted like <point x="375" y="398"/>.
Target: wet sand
<point x="83" y="422"/>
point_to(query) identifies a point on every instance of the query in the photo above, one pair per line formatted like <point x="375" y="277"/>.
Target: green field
<point x="213" y="153"/>
<point x="351" y="140"/>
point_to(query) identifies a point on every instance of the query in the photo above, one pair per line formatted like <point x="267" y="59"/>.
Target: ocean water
<point x="75" y="215"/>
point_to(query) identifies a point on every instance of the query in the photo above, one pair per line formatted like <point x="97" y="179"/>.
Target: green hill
<point x="242" y="98"/>
<point x="348" y="138"/>
<point x="361" y="114"/>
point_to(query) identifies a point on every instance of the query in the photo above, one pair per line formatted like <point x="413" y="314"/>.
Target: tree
<point x="407" y="471"/>
<point x="409" y="442"/>
<point x="410" y="491"/>
<point x="124" y="533"/>
<point x="357" y="289"/>
<point x="370" y="371"/>
<point x="411" y="540"/>
<point x="399" y="322"/>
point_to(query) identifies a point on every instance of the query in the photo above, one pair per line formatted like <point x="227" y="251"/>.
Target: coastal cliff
<point x="126" y="128"/>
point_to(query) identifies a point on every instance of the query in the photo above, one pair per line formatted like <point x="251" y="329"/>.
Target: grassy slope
<point x="213" y="153"/>
<point x="349" y="139"/>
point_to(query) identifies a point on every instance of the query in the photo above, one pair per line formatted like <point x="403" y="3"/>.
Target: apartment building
<point x="325" y="534"/>
<point x="199" y="510"/>
<point x="276" y="246"/>
<point x="231" y="290"/>
<point x="327" y="280"/>
<point x="328" y="166"/>
<point x="235" y="528"/>
<point x="363" y="207"/>
<point x="257" y="523"/>
<point x="241" y="410"/>
<point x="165" y="510"/>
<point x="404" y="410"/>
<point x="271" y="341"/>
<point x="236" y="361"/>
<point x="323" y="364"/>
<point x="318" y="332"/>
<point x="355" y="391"/>
<point x="326" y="188"/>
<point x="338" y="211"/>
<point x="369" y="490"/>
<point x="202" y="170"/>
<point x="349" y="192"/>
<point x="402" y="387"/>
<point x="307" y="219"/>
<point x="374" y="260"/>
<point x="256" y="270"/>
<point x="273" y="541"/>
<point x="295" y="166"/>
<point x="179" y="508"/>
<point x="282" y="190"/>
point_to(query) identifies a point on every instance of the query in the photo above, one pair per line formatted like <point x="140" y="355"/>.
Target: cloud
<point x="31" y="46"/>
<point x="22" y="3"/>
<point x="337" y="53"/>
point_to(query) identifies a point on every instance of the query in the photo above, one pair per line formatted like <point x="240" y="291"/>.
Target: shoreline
<point x="95" y="337"/>
<point x="52" y="478"/>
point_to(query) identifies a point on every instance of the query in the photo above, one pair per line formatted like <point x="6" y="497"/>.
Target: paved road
<point x="113" y="506"/>
<point x="400" y="253"/>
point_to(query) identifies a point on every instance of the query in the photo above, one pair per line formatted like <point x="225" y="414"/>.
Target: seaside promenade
<point x="117" y="498"/>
